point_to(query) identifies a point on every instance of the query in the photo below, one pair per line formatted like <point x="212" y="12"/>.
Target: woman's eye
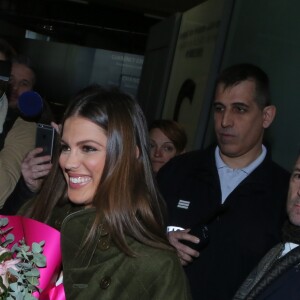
<point x="168" y="149"/>
<point x="64" y="148"/>
<point x="88" y="149"/>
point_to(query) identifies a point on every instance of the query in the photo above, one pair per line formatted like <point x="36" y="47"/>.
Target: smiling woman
<point x="101" y="189"/>
<point x="82" y="159"/>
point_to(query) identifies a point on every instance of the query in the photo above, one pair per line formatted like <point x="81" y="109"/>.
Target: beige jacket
<point x="18" y="142"/>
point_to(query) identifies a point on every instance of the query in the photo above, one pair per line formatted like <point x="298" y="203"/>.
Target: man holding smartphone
<point x="22" y="134"/>
<point x="17" y="136"/>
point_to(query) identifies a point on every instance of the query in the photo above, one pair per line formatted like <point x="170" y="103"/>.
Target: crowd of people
<point x="115" y="185"/>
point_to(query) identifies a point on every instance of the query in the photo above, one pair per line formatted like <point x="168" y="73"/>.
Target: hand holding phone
<point x="34" y="169"/>
<point x="45" y="137"/>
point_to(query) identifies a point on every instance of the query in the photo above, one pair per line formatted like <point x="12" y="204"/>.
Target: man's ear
<point x="269" y="113"/>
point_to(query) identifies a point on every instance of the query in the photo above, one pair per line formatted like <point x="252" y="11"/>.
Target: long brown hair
<point x="127" y="200"/>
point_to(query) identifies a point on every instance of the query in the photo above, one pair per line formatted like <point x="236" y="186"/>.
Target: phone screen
<point x="45" y="135"/>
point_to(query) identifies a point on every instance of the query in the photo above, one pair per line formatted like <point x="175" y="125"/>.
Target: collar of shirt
<point x="231" y="178"/>
<point x="288" y="247"/>
<point x="248" y="169"/>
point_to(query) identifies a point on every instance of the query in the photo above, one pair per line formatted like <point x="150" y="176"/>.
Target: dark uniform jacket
<point x="241" y="231"/>
<point x="107" y="273"/>
<point x="276" y="277"/>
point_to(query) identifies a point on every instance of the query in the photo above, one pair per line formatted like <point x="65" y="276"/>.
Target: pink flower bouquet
<point x="30" y="260"/>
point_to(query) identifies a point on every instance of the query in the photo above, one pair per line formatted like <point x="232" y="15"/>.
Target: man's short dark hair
<point x="235" y="74"/>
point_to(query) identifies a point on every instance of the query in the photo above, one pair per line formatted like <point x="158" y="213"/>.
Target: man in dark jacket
<point x="277" y="275"/>
<point x="234" y="188"/>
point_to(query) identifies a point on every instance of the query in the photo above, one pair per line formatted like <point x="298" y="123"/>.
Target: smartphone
<point x="45" y="137"/>
<point x="200" y="231"/>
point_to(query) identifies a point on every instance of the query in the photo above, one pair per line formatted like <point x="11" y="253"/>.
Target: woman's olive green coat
<point x="107" y="273"/>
